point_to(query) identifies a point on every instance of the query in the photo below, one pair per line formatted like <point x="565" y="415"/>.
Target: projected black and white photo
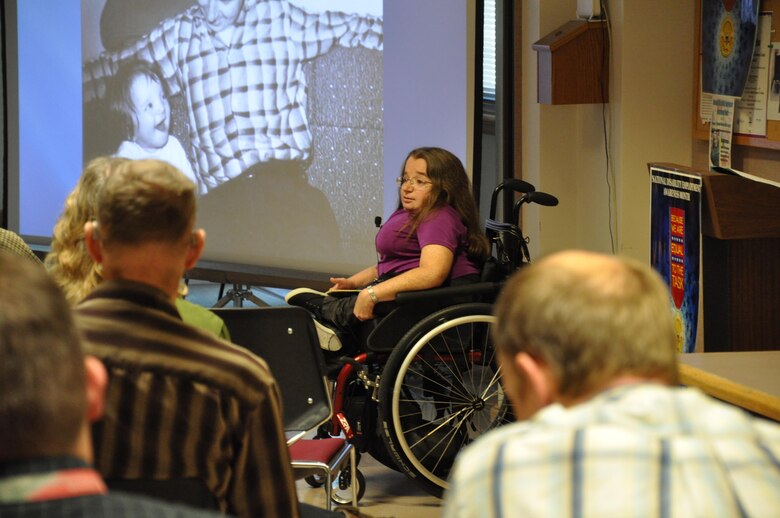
<point x="272" y="107"/>
<point x="293" y="117"/>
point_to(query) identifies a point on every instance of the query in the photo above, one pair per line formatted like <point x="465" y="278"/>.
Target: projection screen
<point x="294" y="142"/>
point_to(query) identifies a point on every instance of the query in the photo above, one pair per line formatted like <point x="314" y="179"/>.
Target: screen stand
<point x="237" y="294"/>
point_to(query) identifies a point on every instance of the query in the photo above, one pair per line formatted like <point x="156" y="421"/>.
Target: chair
<point x="285" y="337"/>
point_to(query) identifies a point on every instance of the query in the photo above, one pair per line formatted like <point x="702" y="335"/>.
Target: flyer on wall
<point x="721" y="125"/>
<point x="751" y="111"/>
<point x="675" y="246"/>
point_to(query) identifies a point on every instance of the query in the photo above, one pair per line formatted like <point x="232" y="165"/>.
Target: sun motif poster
<point x="675" y="246"/>
<point x="728" y="36"/>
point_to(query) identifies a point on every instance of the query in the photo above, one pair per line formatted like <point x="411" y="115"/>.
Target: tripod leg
<point x="237" y="294"/>
<point x="254" y="298"/>
<point x="233" y="294"/>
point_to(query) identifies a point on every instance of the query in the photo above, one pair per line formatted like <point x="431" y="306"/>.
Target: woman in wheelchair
<point x="433" y="239"/>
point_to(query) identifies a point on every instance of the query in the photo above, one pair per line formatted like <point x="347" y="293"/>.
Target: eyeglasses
<point x="416" y="183"/>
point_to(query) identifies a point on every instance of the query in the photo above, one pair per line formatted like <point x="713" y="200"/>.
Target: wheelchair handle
<point x="517" y="185"/>
<point x="513" y="184"/>
<point x="542" y="198"/>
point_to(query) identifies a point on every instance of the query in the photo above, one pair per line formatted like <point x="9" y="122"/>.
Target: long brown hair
<point x="450" y="186"/>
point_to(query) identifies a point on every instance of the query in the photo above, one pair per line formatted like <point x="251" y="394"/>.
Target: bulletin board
<point x="701" y="129"/>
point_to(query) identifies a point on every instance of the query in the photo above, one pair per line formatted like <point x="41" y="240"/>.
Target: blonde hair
<point x="69" y="262"/>
<point x="590" y="318"/>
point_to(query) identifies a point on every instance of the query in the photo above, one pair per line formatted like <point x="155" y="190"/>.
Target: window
<point x="489" y="51"/>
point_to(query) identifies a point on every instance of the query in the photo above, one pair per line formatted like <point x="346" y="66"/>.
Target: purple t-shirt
<point x="399" y="252"/>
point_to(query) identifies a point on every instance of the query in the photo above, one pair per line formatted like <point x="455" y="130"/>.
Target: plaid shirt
<point x="11" y="242"/>
<point x="246" y="100"/>
<point x="640" y="450"/>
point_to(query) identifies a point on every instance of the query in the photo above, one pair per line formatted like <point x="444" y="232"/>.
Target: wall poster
<point x="675" y="246"/>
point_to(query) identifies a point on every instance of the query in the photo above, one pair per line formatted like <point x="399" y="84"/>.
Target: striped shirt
<point x="247" y="100"/>
<point x="182" y="403"/>
<point x="640" y="450"/>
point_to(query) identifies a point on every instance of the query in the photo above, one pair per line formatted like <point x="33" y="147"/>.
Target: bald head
<point x="590" y="318"/>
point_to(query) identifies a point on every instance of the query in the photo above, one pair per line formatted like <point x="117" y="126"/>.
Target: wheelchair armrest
<point x="409" y="307"/>
<point x="477" y="288"/>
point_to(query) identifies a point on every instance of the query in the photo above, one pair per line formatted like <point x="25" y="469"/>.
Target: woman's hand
<point x="364" y="306"/>
<point x="354" y="282"/>
<point x="342" y="283"/>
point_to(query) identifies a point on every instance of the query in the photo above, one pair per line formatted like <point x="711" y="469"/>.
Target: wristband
<point x="370" y="290"/>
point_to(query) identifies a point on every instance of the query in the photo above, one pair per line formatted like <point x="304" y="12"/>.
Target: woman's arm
<point x="356" y="281"/>
<point x="435" y="265"/>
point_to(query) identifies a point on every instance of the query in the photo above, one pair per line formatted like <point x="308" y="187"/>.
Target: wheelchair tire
<point x="341" y="491"/>
<point x="439" y="391"/>
<point x="315" y="480"/>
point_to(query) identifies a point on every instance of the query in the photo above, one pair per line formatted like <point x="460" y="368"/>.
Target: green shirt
<point x="201" y="317"/>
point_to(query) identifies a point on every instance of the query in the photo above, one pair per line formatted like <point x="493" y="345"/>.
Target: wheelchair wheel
<point x="439" y="391"/>
<point x="341" y="491"/>
<point x="315" y="480"/>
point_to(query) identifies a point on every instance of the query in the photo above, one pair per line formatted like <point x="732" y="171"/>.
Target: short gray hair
<point x="591" y="318"/>
<point x="144" y="201"/>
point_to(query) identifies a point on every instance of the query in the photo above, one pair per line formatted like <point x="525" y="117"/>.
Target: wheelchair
<point x="425" y="382"/>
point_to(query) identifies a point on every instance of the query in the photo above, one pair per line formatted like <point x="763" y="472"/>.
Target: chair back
<point x="285" y="337"/>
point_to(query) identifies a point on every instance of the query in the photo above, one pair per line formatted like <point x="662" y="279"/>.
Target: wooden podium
<point x="740" y="262"/>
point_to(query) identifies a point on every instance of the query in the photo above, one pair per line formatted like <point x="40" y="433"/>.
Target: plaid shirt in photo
<point x="247" y="99"/>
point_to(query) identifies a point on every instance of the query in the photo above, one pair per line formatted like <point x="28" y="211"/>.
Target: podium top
<point x="734" y="207"/>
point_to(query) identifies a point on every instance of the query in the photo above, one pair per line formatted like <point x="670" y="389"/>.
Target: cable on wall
<point x="609" y="173"/>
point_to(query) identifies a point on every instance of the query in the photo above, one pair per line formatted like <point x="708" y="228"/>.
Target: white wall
<point x="650" y="114"/>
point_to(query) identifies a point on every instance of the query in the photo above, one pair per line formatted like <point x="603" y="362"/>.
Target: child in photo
<point x="139" y="97"/>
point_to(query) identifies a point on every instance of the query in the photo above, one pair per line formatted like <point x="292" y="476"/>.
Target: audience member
<point x="72" y="267"/>
<point x="11" y="242"/>
<point x="432" y="239"/>
<point x="181" y="403"/>
<point x="50" y="393"/>
<point x="587" y="350"/>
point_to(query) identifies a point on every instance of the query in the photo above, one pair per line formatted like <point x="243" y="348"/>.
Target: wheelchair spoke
<point x="488" y="404"/>
<point x="443" y="361"/>
<point x="457" y="374"/>
<point x="451" y="436"/>
<point x="494" y="383"/>
<point x="449" y="388"/>
<point x="426" y="424"/>
<point x="442" y="390"/>
<point x="437" y="428"/>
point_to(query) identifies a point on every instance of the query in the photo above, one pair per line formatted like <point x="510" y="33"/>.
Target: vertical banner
<point x="675" y="237"/>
